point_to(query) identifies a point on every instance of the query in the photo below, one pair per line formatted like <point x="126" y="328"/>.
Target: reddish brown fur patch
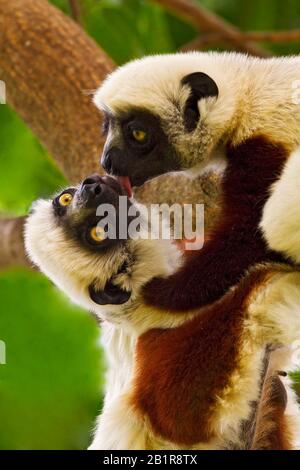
<point x="236" y="244"/>
<point x="181" y="371"/>
<point x="272" y="430"/>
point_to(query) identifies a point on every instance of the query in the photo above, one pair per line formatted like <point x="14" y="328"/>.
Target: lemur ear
<point x="111" y="294"/>
<point x="202" y="86"/>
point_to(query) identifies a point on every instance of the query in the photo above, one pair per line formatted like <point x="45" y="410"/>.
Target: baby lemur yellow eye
<point x="65" y="199"/>
<point x="139" y="135"/>
<point x="97" y="234"/>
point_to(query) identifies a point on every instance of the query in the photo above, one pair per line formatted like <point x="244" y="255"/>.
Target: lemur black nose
<point x="106" y="162"/>
<point x="113" y="161"/>
<point x="91" y="187"/>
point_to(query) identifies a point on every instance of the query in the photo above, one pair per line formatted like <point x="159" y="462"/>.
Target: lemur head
<point x="66" y="237"/>
<point x="164" y="113"/>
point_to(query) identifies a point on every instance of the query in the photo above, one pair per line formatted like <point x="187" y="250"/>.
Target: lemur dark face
<point x="137" y="147"/>
<point x="76" y="211"/>
<point x="142" y="144"/>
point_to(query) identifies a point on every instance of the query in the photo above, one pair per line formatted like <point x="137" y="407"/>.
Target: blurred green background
<point x="50" y="388"/>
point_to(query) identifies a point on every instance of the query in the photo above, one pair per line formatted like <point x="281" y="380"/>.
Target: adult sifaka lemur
<point x="188" y="112"/>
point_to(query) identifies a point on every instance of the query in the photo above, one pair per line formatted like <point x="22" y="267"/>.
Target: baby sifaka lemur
<point x="186" y="381"/>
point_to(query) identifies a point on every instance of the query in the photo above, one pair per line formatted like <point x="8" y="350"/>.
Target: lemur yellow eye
<point x="139" y="135"/>
<point x="97" y="234"/>
<point x="65" y="199"/>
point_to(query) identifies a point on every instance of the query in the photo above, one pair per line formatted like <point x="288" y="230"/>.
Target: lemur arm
<point x="119" y="428"/>
<point x="280" y="223"/>
<point x="205" y="275"/>
<point x="236" y="243"/>
<point x="274" y="311"/>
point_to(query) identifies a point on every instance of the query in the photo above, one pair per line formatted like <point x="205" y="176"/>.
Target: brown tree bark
<point x="11" y="248"/>
<point x="51" y="67"/>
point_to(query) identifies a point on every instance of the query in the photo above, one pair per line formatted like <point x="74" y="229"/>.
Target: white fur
<point x="255" y="96"/>
<point x="281" y="217"/>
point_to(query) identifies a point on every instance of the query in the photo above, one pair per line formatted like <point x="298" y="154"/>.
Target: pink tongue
<point x="125" y="183"/>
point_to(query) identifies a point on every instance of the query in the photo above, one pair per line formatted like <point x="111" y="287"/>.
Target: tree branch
<point x="11" y="248"/>
<point x="218" y="38"/>
<point x="50" y="67"/>
<point x="205" y="20"/>
<point x="272" y="36"/>
<point x="75" y="10"/>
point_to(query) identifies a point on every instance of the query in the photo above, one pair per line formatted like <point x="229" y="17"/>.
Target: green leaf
<point x="27" y="172"/>
<point x="50" y="387"/>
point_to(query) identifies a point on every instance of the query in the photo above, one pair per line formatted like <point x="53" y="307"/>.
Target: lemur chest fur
<point x="185" y="376"/>
<point x="195" y="383"/>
